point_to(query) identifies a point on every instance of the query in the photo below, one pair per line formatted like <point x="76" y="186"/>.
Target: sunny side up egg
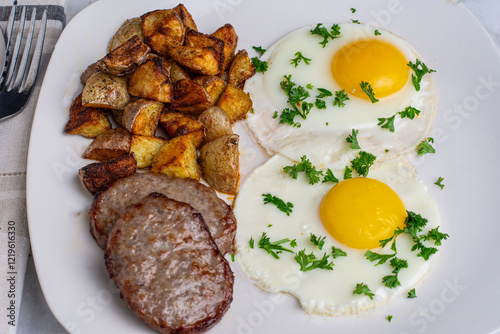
<point x="348" y="219"/>
<point x="359" y="54"/>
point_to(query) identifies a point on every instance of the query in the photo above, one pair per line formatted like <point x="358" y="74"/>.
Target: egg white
<point x="326" y="130"/>
<point x="321" y="291"/>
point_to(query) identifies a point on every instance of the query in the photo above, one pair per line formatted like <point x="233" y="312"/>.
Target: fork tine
<point x="37" y="54"/>
<point x="15" y="52"/>
<point x="26" y="53"/>
<point x="10" y="26"/>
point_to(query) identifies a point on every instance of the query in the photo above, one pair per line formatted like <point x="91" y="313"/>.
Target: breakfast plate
<point x="459" y="294"/>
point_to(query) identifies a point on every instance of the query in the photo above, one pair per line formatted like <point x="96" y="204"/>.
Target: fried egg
<point x="360" y="54"/>
<point x="352" y="215"/>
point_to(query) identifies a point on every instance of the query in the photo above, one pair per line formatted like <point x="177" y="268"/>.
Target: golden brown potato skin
<point x="204" y="60"/>
<point x="185" y="16"/>
<point x="89" y="71"/>
<point x="190" y="97"/>
<point x="145" y="148"/>
<point x="141" y="117"/>
<point x="162" y="29"/>
<point x="241" y="69"/>
<point x="178" y="124"/>
<point x="98" y="175"/>
<point x="125" y="58"/>
<point x="128" y="29"/>
<point x="219" y="160"/>
<point x="105" y="91"/>
<point x="235" y="102"/>
<point x="151" y="81"/>
<point x="177" y="72"/>
<point x="109" y="145"/>
<point x="214" y="86"/>
<point x="216" y="123"/>
<point x="228" y="35"/>
<point x="177" y="158"/>
<point x="86" y="121"/>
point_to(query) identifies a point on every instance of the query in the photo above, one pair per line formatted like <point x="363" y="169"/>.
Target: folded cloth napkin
<point x="14" y="139"/>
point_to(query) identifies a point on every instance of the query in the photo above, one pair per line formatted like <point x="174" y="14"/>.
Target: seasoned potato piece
<point x="89" y="71"/>
<point x="145" y="148"/>
<point x="109" y="145"/>
<point x="241" y="69"/>
<point x="98" y="175"/>
<point x="214" y="86"/>
<point x="227" y="34"/>
<point x="125" y="58"/>
<point x="190" y="97"/>
<point x="197" y="39"/>
<point x="235" y="102"/>
<point x="219" y="160"/>
<point x="141" y="117"/>
<point x="151" y="80"/>
<point x="178" y="158"/>
<point x="178" y="124"/>
<point x="185" y="16"/>
<point x="86" y="121"/>
<point x="177" y="72"/>
<point x="105" y="91"/>
<point x="128" y="29"/>
<point x="203" y="60"/>
<point x="117" y="116"/>
<point x="216" y="123"/>
<point x="162" y="28"/>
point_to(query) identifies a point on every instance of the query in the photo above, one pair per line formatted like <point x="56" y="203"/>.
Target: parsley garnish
<point x="293" y="243"/>
<point x="377" y="33"/>
<point x="340" y="97"/>
<point x="323" y="93"/>
<point x="412" y="294"/>
<point x="409" y="112"/>
<point x="425" y="146"/>
<point x="310" y="262"/>
<point x="353" y="140"/>
<point x="392" y="281"/>
<point x="232" y="257"/>
<point x="260" y="66"/>
<point x="337" y="252"/>
<point x="325" y="34"/>
<point x="273" y="248"/>
<point x="353" y="10"/>
<point x="347" y="173"/>
<point x="280" y="204"/>
<point x="438" y="182"/>
<point x="298" y="58"/>
<point x="329" y="177"/>
<point x="389" y="317"/>
<point x="387" y="123"/>
<point x="435" y="235"/>
<point x="304" y="166"/>
<point x="362" y="288"/>
<point x="320" y="104"/>
<point x="420" y="70"/>
<point x="318" y="241"/>
<point x="367" y="88"/>
<point x="362" y="163"/>
<point x="251" y="242"/>
<point x="380" y="258"/>
<point x="296" y="95"/>
<point x="355" y="21"/>
<point x="259" y="49"/>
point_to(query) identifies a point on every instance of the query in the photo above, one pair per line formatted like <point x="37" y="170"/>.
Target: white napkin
<point x="14" y="139"/>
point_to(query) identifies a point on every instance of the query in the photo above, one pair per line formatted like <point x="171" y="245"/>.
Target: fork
<point x="17" y="81"/>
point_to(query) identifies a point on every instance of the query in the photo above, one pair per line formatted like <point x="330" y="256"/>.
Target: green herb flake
<point x="409" y="112"/>
<point x="362" y="288"/>
<point x="353" y="10"/>
<point x="310" y="262"/>
<point x="377" y="32"/>
<point x="355" y="21"/>
<point x="368" y="90"/>
<point x="387" y="123"/>
<point x="420" y="70"/>
<point x="259" y="49"/>
<point x="280" y="204"/>
<point x="389" y="317"/>
<point x="347" y="173"/>
<point x="273" y="248"/>
<point x="329" y="177"/>
<point x="306" y="167"/>
<point x="337" y="252"/>
<point x="340" y="98"/>
<point x="362" y="163"/>
<point x="259" y="65"/>
<point x="412" y="294"/>
<point x="298" y="58"/>
<point x="352" y="139"/>
<point x="318" y="241"/>
<point x="323" y="32"/>
<point x="439" y="182"/>
<point x="425" y="146"/>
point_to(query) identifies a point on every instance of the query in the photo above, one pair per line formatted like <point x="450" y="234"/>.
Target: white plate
<point x="460" y="294"/>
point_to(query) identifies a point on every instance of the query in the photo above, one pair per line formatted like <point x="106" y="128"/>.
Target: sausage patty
<point x="108" y="205"/>
<point x="169" y="271"/>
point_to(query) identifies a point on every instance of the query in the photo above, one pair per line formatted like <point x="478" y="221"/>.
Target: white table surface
<point x="36" y="317"/>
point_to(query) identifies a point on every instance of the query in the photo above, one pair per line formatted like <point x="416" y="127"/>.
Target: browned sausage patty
<point x="169" y="271"/>
<point x="108" y="206"/>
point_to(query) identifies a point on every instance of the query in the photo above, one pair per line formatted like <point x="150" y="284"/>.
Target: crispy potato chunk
<point x="185" y="16"/>
<point x="202" y="60"/>
<point x="86" y="121"/>
<point x="228" y="35"/>
<point x="109" y="145"/>
<point x="105" y="91"/>
<point x="235" y="102"/>
<point x="241" y="69"/>
<point x="177" y="158"/>
<point x="162" y="29"/>
<point x="125" y="58"/>
<point x="98" y="175"/>
<point x="216" y="123"/>
<point x="145" y="148"/>
<point x="89" y="71"/>
<point x="214" y="86"/>
<point x="141" y="117"/>
<point x="177" y="72"/>
<point x="128" y="29"/>
<point x="190" y="97"/>
<point x="178" y="124"/>
<point x="151" y="80"/>
<point x="219" y="160"/>
<point x="197" y="39"/>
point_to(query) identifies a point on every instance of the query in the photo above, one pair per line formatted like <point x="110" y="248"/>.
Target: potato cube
<point x="151" y="81"/>
<point x="178" y="124"/>
<point x="125" y="58"/>
<point x="216" y="123"/>
<point x="235" y="102"/>
<point x="185" y="16"/>
<point x="128" y="29"/>
<point x="145" y="148"/>
<point x="105" y="91"/>
<point x="177" y="72"/>
<point x="109" y="145"/>
<point x="241" y="69"/>
<point x="202" y="60"/>
<point x="162" y="29"/>
<point x="178" y="158"/>
<point x="142" y="116"/>
<point x="228" y="35"/>
<point x="214" y="86"/>
<point x="190" y="97"/>
<point x="86" y="121"/>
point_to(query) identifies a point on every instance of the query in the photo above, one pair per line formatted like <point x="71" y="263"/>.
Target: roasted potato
<point x="219" y="160"/>
<point x="185" y="16"/>
<point x="241" y="69"/>
<point x="214" y="86"/>
<point x="162" y="29"/>
<point x="105" y="91"/>
<point x="86" y="121"/>
<point x="128" y="29"/>
<point x="177" y="158"/>
<point x="145" y="148"/>
<point x="89" y="71"/>
<point x="235" y="102"/>
<point x="141" y="117"/>
<point x="177" y="72"/>
<point x="197" y="39"/>
<point x="216" y="123"/>
<point x="227" y="34"/>
<point x="190" y="97"/>
<point x="202" y="60"/>
<point x="178" y="124"/>
<point x="98" y="175"/>
<point x="125" y="58"/>
<point x="151" y="81"/>
<point x="109" y="145"/>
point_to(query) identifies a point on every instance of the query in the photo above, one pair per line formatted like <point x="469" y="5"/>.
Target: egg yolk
<point x="359" y="212"/>
<point x="378" y="63"/>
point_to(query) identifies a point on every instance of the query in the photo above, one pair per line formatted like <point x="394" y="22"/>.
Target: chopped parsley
<point x="323" y="93"/>
<point x="409" y="112"/>
<point x="389" y="317"/>
<point x="251" y="242"/>
<point x="425" y="146"/>
<point x="273" y="248"/>
<point x="355" y="21"/>
<point x="280" y="204"/>
<point x="438" y="182"/>
<point x="320" y="104"/>
<point x="232" y="257"/>
<point x="337" y="252"/>
<point x="362" y="163"/>
<point x="392" y="281"/>
<point x="318" y="241"/>
<point x="298" y="58"/>
<point x="340" y="98"/>
<point x="368" y="90"/>
<point x="420" y="70"/>
<point x="352" y="139"/>
<point x="412" y="294"/>
<point x="353" y="10"/>
<point x="380" y="258"/>
<point x="260" y="66"/>
<point x="296" y="95"/>
<point x="377" y="32"/>
<point x="259" y="49"/>
<point x="310" y="262"/>
<point x="325" y="34"/>
<point x="329" y="177"/>
<point x="347" y="173"/>
<point x="387" y="123"/>
<point x="306" y="167"/>
<point x="362" y="288"/>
